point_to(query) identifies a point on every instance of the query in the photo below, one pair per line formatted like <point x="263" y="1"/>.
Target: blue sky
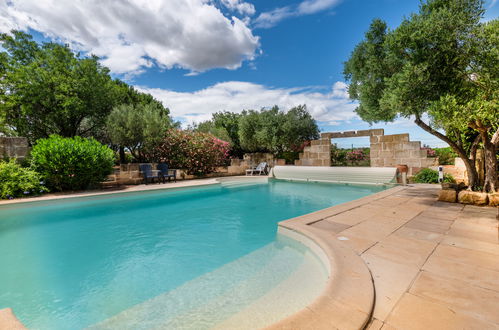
<point x="203" y="56"/>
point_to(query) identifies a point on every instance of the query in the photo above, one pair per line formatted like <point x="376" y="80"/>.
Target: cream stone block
<point x="416" y="313"/>
<point x="448" y="195"/>
<point x="473" y="197"/>
<point x="454" y="269"/>
<point x="494" y="199"/>
<point x="458" y="295"/>
<point x="391" y="281"/>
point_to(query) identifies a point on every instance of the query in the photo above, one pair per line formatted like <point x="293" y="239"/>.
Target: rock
<point x="494" y="199"/>
<point x="447" y="195"/>
<point x="473" y="197"/>
<point x="448" y="186"/>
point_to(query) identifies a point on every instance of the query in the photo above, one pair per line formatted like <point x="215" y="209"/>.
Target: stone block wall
<point x="318" y="153"/>
<point x="13" y="147"/>
<point x="397" y="149"/>
<point x="386" y="150"/>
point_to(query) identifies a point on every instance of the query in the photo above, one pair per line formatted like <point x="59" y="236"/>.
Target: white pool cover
<point x="356" y="175"/>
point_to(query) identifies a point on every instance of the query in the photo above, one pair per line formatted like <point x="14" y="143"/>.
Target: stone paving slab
<point x="435" y="265"/>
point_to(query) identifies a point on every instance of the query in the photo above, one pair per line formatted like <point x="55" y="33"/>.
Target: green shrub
<point x="17" y="181"/>
<point x="445" y="156"/>
<point x="427" y="175"/>
<point x="71" y="163"/>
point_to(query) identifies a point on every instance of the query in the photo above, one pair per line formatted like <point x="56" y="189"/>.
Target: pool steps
<point x="276" y="280"/>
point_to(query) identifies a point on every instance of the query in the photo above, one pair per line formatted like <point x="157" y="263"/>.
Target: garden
<point x="80" y="123"/>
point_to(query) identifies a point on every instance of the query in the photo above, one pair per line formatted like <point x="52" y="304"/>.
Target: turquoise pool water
<point x="73" y="263"/>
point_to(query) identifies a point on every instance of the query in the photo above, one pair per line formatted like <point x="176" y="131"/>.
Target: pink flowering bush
<point x="198" y="153"/>
<point x="357" y="155"/>
<point x="429" y="151"/>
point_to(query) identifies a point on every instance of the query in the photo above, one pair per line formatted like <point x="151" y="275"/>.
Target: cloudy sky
<point x="203" y="56"/>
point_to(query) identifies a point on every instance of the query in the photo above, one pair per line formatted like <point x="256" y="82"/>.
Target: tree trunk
<point x="122" y="155"/>
<point x="470" y="165"/>
<point x="490" y="163"/>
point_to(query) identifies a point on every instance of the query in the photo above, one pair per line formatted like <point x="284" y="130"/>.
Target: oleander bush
<point x="71" y="163"/>
<point x="18" y="181"/>
<point x="427" y="175"/>
<point x="196" y="152"/>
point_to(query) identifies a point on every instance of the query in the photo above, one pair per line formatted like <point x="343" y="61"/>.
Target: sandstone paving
<point x="418" y="234"/>
<point x="472" y="244"/>
<point x="403" y="250"/>
<point x="461" y="295"/>
<point x="330" y="225"/>
<point x="455" y="269"/>
<point x="430" y="224"/>
<point x="416" y="313"/>
<point x="435" y="265"/>
<point x="391" y="280"/>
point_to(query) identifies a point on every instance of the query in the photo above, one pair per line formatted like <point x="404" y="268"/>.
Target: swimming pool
<point x="192" y="258"/>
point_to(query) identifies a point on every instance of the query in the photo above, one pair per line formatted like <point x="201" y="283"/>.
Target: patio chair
<point x="165" y="173"/>
<point x="148" y="173"/>
<point x="261" y="169"/>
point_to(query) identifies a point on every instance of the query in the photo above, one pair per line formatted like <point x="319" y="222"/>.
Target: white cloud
<point x="271" y="18"/>
<point x="314" y="6"/>
<point x="330" y="107"/>
<point x="243" y="8"/>
<point x="131" y="35"/>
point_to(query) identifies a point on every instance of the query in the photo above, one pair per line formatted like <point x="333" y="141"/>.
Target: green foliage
<point x="210" y="128"/>
<point x="48" y="89"/>
<point x="428" y="175"/>
<point x="138" y="127"/>
<point x="196" y="152"/>
<point x="350" y="157"/>
<point x="276" y="131"/>
<point x="229" y="122"/>
<point x="17" y="181"/>
<point x="71" y="163"/>
<point x="442" y="62"/>
<point x="282" y="133"/>
<point x="445" y="156"/>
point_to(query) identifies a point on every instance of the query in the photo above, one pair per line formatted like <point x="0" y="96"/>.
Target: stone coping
<point x="124" y="189"/>
<point x="348" y="299"/>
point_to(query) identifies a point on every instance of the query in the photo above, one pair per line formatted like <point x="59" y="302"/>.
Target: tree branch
<point x="495" y="138"/>
<point x="474" y="147"/>
<point x="441" y="136"/>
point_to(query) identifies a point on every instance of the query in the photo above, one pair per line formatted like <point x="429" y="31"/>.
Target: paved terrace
<point x="435" y="265"/>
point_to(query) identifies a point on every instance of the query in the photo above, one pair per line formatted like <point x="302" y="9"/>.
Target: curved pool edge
<point x="347" y="301"/>
<point x="9" y="321"/>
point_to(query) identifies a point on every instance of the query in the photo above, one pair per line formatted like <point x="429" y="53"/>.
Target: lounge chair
<point x="148" y="173"/>
<point x="165" y="173"/>
<point x="261" y="169"/>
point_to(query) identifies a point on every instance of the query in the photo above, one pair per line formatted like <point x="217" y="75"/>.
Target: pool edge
<point x="347" y="301"/>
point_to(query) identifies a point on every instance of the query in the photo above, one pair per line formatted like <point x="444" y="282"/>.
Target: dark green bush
<point x="71" y="163"/>
<point x="445" y="155"/>
<point x="17" y="181"/>
<point x="427" y="175"/>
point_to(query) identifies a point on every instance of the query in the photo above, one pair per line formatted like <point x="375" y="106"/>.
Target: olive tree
<point x="438" y="67"/>
<point x="138" y="127"/>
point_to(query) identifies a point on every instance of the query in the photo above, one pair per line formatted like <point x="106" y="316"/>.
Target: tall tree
<point x="47" y="89"/>
<point x="138" y="127"/>
<point x="421" y="67"/>
<point x="276" y="131"/>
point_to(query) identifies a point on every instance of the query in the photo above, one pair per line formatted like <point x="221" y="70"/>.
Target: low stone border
<point x="477" y="198"/>
<point x="347" y="301"/>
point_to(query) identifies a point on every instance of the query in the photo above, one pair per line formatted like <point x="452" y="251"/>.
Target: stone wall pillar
<point x="13" y="147"/>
